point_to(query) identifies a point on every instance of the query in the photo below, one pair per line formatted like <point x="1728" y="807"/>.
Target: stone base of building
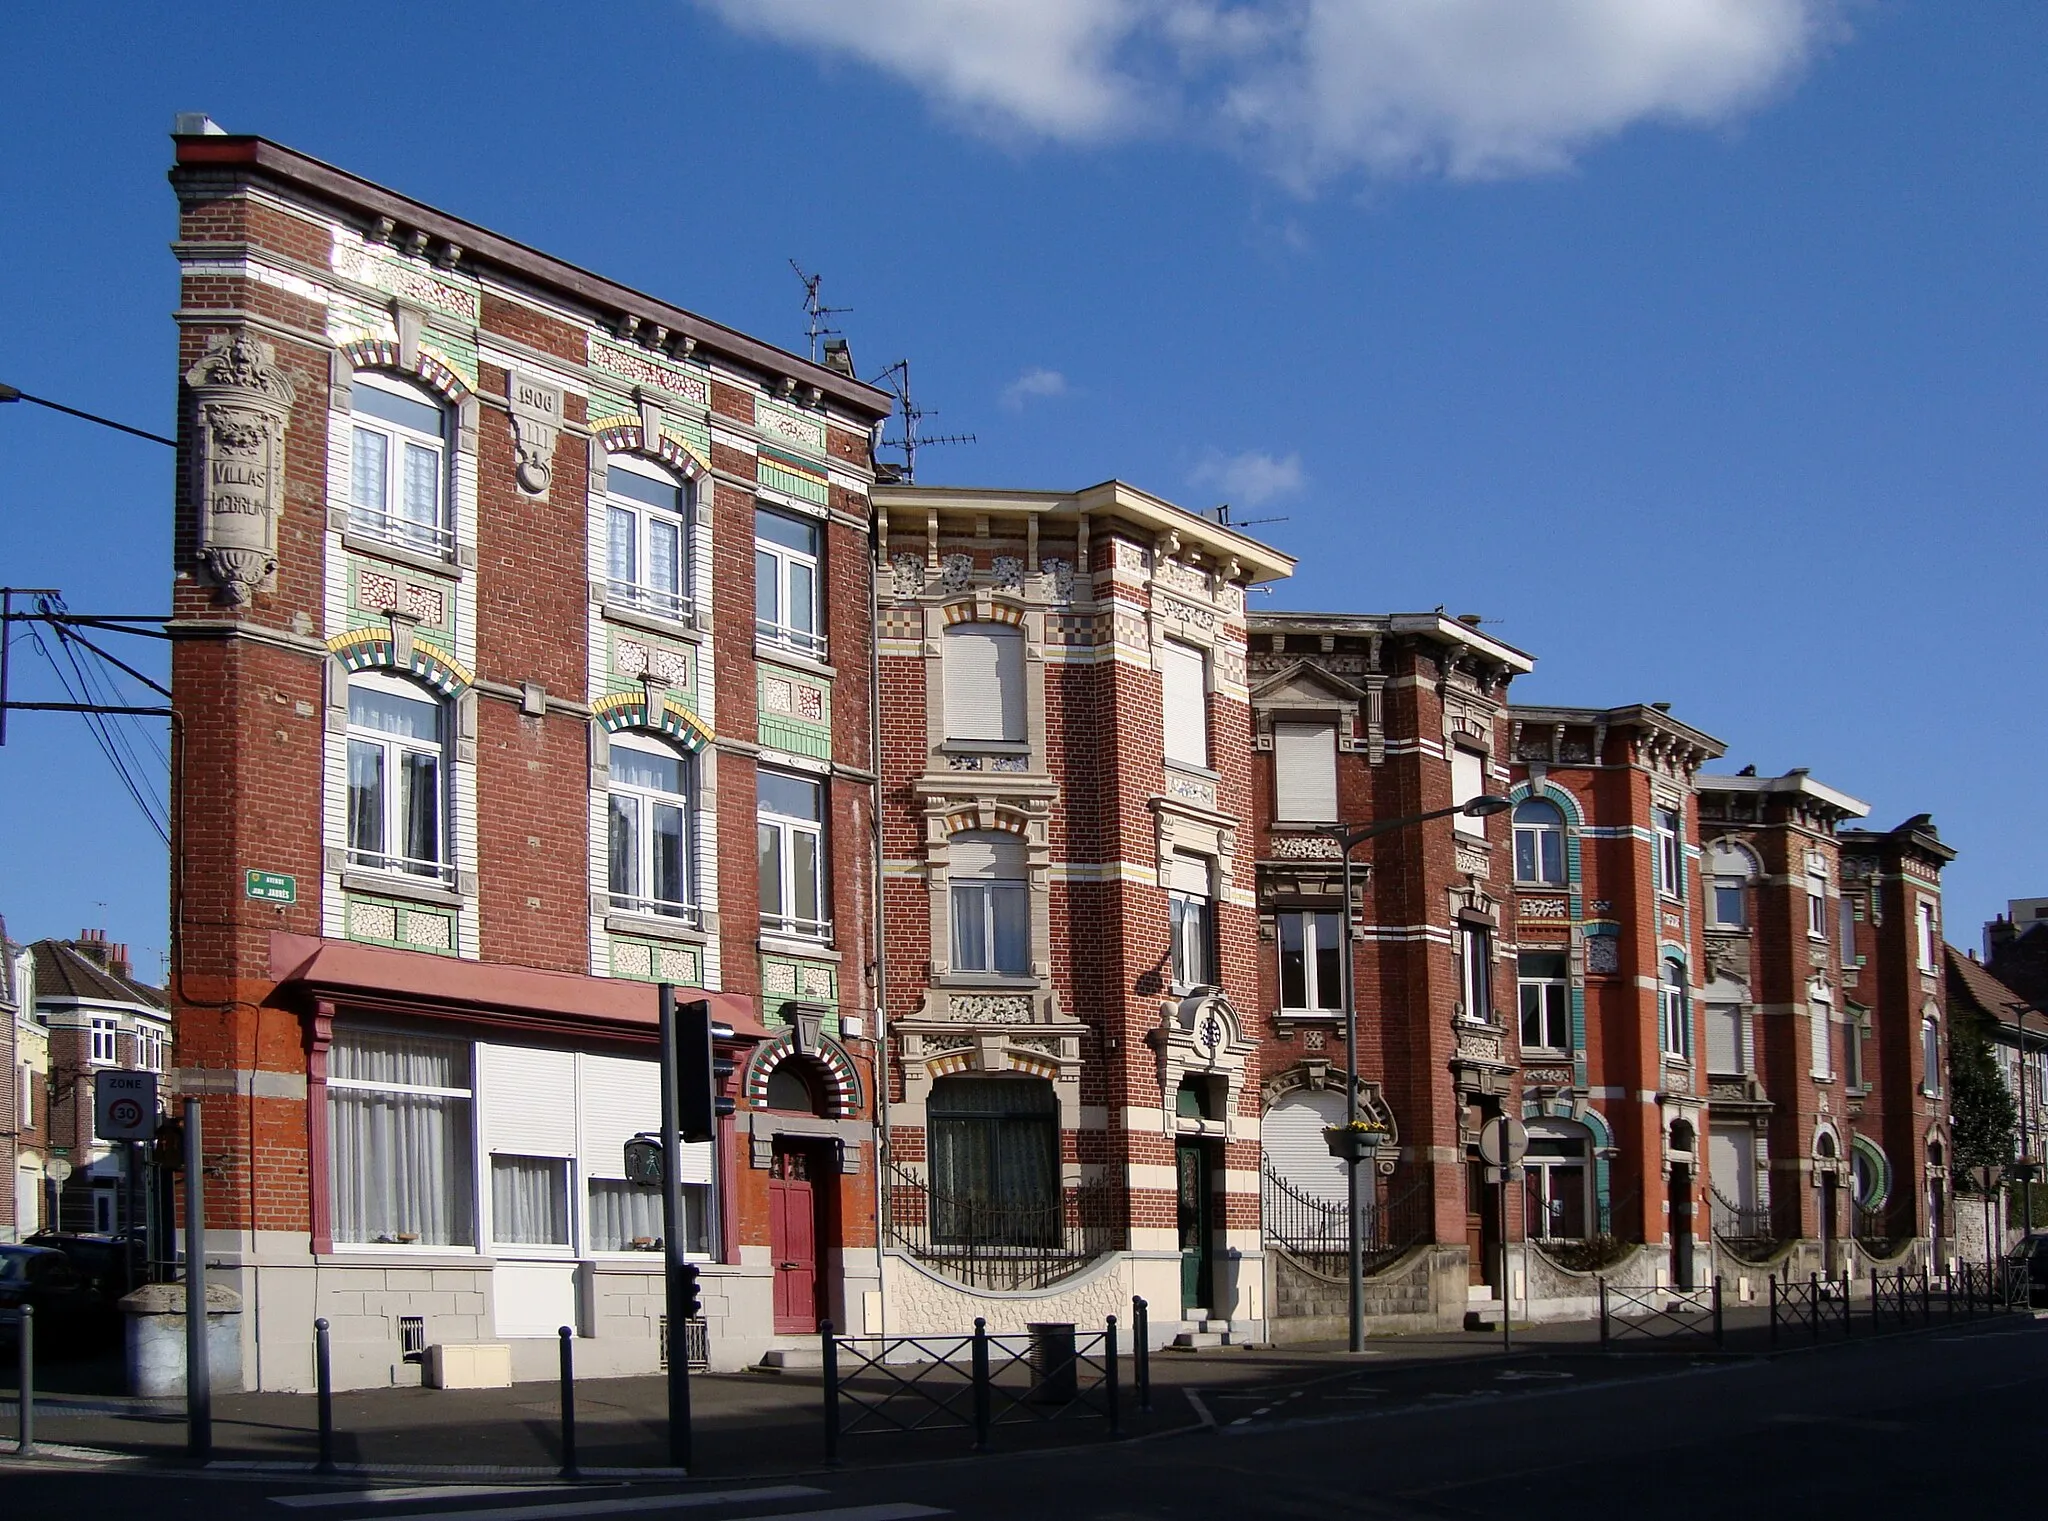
<point x="1425" y="1289"/>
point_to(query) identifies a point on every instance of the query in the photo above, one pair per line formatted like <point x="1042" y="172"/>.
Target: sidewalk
<point x="758" y="1424"/>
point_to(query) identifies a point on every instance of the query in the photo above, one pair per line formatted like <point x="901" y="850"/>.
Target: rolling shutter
<point x="620" y="1098"/>
<point x="1184" y="703"/>
<point x="1189" y="874"/>
<point x="984" y="682"/>
<point x="1468" y="780"/>
<point x="1731" y="1164"/>
<point x="1292" y="1137"/>
<point x="528" y="1098"/>
<point x="1305" y="773"/>
<point x="1724" y="1037"/>
<point x="986" y="855"/>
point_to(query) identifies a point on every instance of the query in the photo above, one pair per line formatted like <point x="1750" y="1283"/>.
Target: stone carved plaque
<point x="1545" y="908"/>
<point x="244" y="406"/>
<point x="993" y="1008"/>
<point x="536" y="415"/>
<point x="908" y="573"/>
<point x="1303" y="847"/>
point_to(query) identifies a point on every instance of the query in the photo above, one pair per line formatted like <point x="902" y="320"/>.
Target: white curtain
<point x="400" y="1157"/>
<point x="625" y="1217"/>
<point x="529" y="1201"/>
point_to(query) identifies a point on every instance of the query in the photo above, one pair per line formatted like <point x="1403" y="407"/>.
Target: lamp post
<point x="2027" y="1166"/>
<point x="1349" y="837"/>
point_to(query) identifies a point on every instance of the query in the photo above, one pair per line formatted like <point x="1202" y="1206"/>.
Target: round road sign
<point x="1503" y="1141"/>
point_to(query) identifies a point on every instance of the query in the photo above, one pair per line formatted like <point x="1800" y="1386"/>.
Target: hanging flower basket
<point x="1355" y="1141"/>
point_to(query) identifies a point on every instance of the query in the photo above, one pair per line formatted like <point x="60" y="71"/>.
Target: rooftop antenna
<point x="815" y="313"/>
<point x="896" y="380"/>
<point x="1220" y="516"/>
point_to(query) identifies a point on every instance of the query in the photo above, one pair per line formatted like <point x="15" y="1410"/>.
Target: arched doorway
<point x="1827" y="1160"/>
<point x="798" y="1203"/>
<point x="1682" y="1142"/>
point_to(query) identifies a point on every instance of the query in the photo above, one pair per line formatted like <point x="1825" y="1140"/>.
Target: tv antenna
<point x="896" y="380"/>
<point x="815" y="312"/>
<point x="1220" y="516"/>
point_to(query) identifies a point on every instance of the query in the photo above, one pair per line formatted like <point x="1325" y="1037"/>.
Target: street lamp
<point x="2027" y="1166"/>
<point x="1349" y="837"/>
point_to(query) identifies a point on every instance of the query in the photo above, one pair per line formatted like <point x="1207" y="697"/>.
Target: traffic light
<point x="692" y="1293"/>
<point x="643" y="1161"/>
<point x="167" y="1146"/>
<point x="700" y="1073"/>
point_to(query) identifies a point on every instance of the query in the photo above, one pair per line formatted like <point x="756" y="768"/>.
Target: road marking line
<point x="616" y="1507"/>
<point x="851" y="1513"/>
<point x="410" y="1492"/>
<point x="1202" y="1412"/>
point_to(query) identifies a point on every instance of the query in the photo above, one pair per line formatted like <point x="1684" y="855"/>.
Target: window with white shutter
<point x="984" y="682"/>
<point x="1724" y="1037"/>
<point x="1184" y="703"/>
<point x="1305" y="773"/>
<point x="1823" y="1039"/>
<point x="1468" y="780"/>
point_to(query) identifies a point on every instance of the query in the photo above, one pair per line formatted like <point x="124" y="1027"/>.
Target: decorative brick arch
<point x="383" y="354"/>
<point x="625" y="435"/>
<point x="668" y="718"/>
<point x="988" y="815"/>
<point x="1549" y="792"/>
<point x="968" y="610"/>
<point x="374" y="648"/>
<point x="842" y="1082"/>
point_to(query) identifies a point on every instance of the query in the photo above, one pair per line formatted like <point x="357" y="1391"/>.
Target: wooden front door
<point x="1195" y="1211"/>
<point x="1681" y="1226"/>
<point x="1482" y="1251"/>
<point x="793" y="1241"/>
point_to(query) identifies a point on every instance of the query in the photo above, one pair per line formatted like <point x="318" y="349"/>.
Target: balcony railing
<point x="440" y="872"/>
<point x="662" y="603"/>
<point x="406" y="533"/>
<point x="687" y="915"/>
<point x="1318" y="1230"/>
<point x="796" y="926"/>
<point x="799" y="641"/>
<point x="1003" y="1246"/>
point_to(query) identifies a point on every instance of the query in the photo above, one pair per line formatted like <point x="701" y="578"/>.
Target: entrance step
<point x="804" y="1357"/>
<point x="1483" y="1314"/>
<point x="1477" y="1292"/>
<point x="1206" y="1331"/>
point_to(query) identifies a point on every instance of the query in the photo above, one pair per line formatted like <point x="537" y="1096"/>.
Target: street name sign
<point x="271" y="887"/>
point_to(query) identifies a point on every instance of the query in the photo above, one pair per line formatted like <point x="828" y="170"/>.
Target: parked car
<point x="102" y="1259"/>
<point x="70" y="1313"/>
<point x="2031" y="1257"/>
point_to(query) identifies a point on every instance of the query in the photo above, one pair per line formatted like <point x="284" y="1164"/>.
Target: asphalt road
<point x="1941" y="1423"/>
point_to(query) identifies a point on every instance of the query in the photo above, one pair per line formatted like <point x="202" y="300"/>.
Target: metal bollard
<point x="829" y="1347"/>
<point x="1116" y="1418"/>
<point x="1813" y="1303"/>
<point x="1141" y="1350"/>
<point x="323" y="1377"/>
<point x="1719" y="1338"/>
<point x="978" y="1371"/>
<point x="1603" y="1312"/>
<point x="26" y="1440"/>
<point x="568" y="1337"/>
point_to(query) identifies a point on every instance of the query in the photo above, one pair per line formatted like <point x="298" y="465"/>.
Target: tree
<point x="1980" y="1105"/>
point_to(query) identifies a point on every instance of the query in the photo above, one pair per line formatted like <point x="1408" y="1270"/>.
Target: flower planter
<point x="1352" y="1145"/>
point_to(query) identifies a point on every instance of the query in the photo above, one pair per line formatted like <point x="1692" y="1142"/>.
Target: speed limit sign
<point x="124" y="1106"/>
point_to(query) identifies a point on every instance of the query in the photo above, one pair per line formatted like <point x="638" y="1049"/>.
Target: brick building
<point x="24" y="1097"/>
<point x="1070" y="935"/>
<point x="522" y="653"/>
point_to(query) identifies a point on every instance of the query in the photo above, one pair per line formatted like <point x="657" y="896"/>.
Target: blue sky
<point x="1699" y="345"/>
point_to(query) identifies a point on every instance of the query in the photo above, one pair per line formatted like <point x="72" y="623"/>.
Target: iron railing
<point x="1002" y="1246"/>
<point x="1318" y="1230"/>
<point x="1660" y="1315"/>
<point x="1744" y="1229"/>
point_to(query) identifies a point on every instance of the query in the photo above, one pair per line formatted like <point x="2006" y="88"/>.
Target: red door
<point x="793" y="1240"/>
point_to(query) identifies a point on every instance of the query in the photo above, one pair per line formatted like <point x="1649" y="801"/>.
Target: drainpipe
<point x="881" y="1001"/>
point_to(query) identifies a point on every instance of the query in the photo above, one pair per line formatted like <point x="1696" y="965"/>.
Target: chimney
<point x="117" y="961"/>
<point x="92" y="945"/>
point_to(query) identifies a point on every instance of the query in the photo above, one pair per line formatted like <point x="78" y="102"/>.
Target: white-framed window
<point x="1468" y="780"/>
<point x="1816" y="896"/>
<point x="1930" y="1053"/>
<point x="790" y="832"/>
<point x="1474" y="943"/>
<point x="1311" y="966"/>
<point x="1725" y="1055"/>
<point x="1673" y="1006"/>
<point x="647" y="537"/>
<point x="786" y="604"/>
<point x="1191" y="914"/>
<point x="1539" y="842"/>
<point x="648" y="829"/>
<point x="106" y="1040"/>
<point x="398" y="464"/>
<point x="1305" y="773"/>
<point x="1732" y="869"/>
<point x="1923" y="919"/>
<point x="397" y="777"/>
<point x="1184" y="702"/>
<point x="1544" y="990"/>
<point x="991" y="903"/>
<point x="149" y="1047"/>
<point x="1670" y="866"/>
<point x="1557" y="1178"/>
<point x="1854" y="1034"/>
<point x="984" y="681"/>
<point x="402" y="1159"/>
<point x="530" y="1201"/>
<point x="26" y="1095"/>
<point x="1821" y="1028"/>
<point x="617" y="1098"/>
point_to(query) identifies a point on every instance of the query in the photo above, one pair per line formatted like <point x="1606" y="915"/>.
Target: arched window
<point x="1557" y="1174"/>
<point x="647" y="537"/>
<point x="995" y="1162"/>
<point x="1539" y="842"/>
<point x="790" y="1089"/>
<point x="991" y="903"/>
<point x="984" y="682"/>
<point x="398" y="464"/>
<point x="1732" y="868"/>
<point x="648" y="828"/>
<point x="397" y="777"/>
<point x="1672" y="1002"/>
<point x="1930" y="1053"/>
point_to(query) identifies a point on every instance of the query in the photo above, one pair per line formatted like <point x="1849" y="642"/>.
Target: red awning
<point x="453" y="988"/>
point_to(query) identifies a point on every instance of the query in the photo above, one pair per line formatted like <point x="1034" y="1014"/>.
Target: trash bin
<point x="1055" y="1379"/>
<point x="155" y="1339"/>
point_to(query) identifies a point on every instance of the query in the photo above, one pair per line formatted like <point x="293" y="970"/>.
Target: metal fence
<point x="1744" y="1229"/>
<point x="975" y="1382"/>
<point x="1319" y="1229"/>
<point x="1902" y="1298"/>
<point x="1816" y="1305"/>
<point x="1687" y="1316"/>
<point x="1002" y="1246"/>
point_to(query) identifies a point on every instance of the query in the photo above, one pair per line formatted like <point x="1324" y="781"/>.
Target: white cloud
<point x="1250" y="479"/>
<point x="1316" y="88"/>
<point x="1035" y="384"/>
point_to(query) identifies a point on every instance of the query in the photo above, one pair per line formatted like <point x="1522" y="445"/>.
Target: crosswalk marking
<point x="410" y="1492"/>
<point x="559" y="1512"/>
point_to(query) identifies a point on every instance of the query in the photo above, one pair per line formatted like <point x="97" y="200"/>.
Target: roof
<point x="1445" y="630"/>
<point x="261" y="158"/>
<point x="62" y="972"/>
<point x="1983" y="989"/>
<point x="1259" y="561"/>
<point x="419" y="980"/>
<point x="1917" y="834"/>
<point x="1638" y="714"/>
<point x="1796" y="782"/>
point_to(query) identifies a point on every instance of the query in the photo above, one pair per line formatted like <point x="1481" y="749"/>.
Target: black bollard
<point x="829" y="1346"/>
<point x="1141" y="1350"/>
<point x="1109" y="1371"/>
<point x="323" y="1379"/>
<point x="569" y="1402"/>
<point x="26" y="1442"/>
<point x="978" y="1372"/>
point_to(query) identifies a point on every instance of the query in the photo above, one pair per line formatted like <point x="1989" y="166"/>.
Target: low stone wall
<point x="916" y="1301"/>
<point x="1422" y="1290"/>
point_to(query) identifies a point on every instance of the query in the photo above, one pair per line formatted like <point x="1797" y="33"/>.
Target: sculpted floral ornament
<point x="244" y="406"/>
